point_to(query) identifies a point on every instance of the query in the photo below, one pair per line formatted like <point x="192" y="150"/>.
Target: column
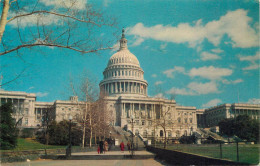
<point x="133" y="110"/>
<point x="146" y="113"/>
<point x="123" y="110"/>
<point x="139" y="112"/>
<point x="116" y="87"/>
<point x="124" y="87"/>
<point x="120" y="89"/>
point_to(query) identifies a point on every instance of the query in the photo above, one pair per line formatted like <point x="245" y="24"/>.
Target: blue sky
<point x="203" y="52"/>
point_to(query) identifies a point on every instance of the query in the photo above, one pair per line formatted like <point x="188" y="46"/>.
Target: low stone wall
<point x="181" y="158"/>
<point x="14" y="156"/>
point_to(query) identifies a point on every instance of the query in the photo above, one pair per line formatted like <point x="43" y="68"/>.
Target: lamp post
<point x="132" y="141"/>
<point x="68" y="151"/>
<point x="137" y="139"/>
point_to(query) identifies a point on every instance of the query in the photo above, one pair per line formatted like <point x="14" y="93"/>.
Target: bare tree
<point x="94" y="116"/>
<point x="65" y="24"/>
<point x="87" y="91"/>
<point x="164" y="121"/>
<point x="163" y="117"/>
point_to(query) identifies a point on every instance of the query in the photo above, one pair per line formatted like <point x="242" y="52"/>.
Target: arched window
<point x="185" y="133"/>
<point x="179" y="120"/>
<point x="161" y="133"/>
<point x="185" y="120"/>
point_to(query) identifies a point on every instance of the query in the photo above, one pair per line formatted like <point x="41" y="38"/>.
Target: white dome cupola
<point x="123" y="74"/>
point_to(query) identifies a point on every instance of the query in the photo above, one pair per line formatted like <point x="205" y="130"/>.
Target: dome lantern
<point x="123" y="41"/>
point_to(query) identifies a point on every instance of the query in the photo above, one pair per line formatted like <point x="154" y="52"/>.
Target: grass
<point x="247" y="153"/>
<point x="31" y="144"/>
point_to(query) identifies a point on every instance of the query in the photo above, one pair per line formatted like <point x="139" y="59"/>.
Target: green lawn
<point x="30" y="144"/>
<point x="247" y="153"/>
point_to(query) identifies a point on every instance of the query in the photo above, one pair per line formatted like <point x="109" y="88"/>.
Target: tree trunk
<point x="3" y="20"/>
<point x="90" y="124"/>
<point x="91" y="135"/>
<point x="165" y="139"/>
<point x="95" y="138"/>
<point x="84" y="130"/>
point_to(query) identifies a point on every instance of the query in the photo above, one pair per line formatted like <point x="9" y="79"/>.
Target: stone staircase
<point x="126" y="136"/>
<point x="206" y="133"/>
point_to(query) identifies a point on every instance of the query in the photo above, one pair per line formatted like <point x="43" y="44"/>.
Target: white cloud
<point x="177" y="91"/>
<point x="254" y="61"/>
<point x="158" y="82"/>
<point x="106" y="3"/>
<point x="75" y="4"/>
<point x="217" y="50"/>
<point x="41" y="94"/>
<point x="205" y="56"/>
<point x="212" y="103"/>
<point x="115" y="47"/>
<point x="159" y="95"/>
<point x="210" y="72"/>
<point x="254" y="101"/>
<point x="203" y="88"/>
<point x="170" y="72"/>
<point x="138" y="41"/>
<point x="195" y="88"/>
<point x="32" y="20"/>
<point x="235" y="24"/>
<point x="225" y="81"/>
<point x="154" y="75"/>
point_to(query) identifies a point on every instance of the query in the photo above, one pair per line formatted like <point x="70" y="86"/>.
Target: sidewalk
<point x="113" y="153"/>
<point x="110" y="155"/>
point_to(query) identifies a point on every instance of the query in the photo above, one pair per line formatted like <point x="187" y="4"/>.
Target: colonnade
<point x="125" y="87"/>
<point x="148" y="112"/>
<point x="19" y="105"/>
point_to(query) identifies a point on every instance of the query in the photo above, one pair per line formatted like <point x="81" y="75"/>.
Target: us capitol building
<point x="126" y="97"/>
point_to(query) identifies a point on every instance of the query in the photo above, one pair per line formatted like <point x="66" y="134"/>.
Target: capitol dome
<point x="124" y="57"/>
<point x="123" y="74"/>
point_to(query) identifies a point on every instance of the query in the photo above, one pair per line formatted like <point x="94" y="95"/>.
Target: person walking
<point x="105" y="146"/>
<point x="129" y="146"/>
<point x="101" y="145"/>
<point x="122" y="146"/>
<point x="98" y="149"/>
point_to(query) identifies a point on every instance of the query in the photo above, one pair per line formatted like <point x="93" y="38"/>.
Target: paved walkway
<point x="149" y="162"/>
<point x="113" y="153"/>
<point x="95" y="161"/>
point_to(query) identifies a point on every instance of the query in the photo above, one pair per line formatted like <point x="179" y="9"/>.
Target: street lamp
<point x="132" y="141"/>
<point x="137" y="139"/>
<point x="68" y="150"/>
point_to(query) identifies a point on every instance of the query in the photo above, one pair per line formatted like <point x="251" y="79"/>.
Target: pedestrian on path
<point x="128" y="146"/>
<point x="101" y="144"/>
<point x="105" y="146"/>
<point x="122" y="146"/>
<point x="98" y="149"/>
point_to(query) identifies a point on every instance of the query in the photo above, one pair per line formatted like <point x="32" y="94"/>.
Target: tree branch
<point x="53" y="45"/>
<point x="54" y="13"/>
<point x="19" y="75"/>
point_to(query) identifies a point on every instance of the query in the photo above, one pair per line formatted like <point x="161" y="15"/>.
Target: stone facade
<point x="23" y="104"/>
<point x="215" y="114"/>
<point x="126" y="95"/>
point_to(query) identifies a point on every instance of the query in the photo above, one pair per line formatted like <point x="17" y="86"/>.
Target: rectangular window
<point x="26" y="121"/>
<point x="143" y="123"/>
<point x="26" y="111"/>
